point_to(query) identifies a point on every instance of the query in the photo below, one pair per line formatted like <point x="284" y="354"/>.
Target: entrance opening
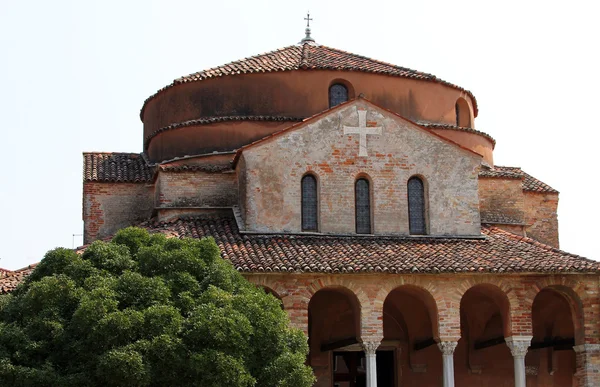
<point x="551" y="353"/>
<point x="410" y="325"/>
<point x="349" y="369"/>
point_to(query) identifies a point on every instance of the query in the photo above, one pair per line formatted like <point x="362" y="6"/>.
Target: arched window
<point x="363" y="206"/>
<point x="416" y="206"/>
<point x="338" y="94"/>
<point x="463" y="113"/>
<point x="310" y="203"/>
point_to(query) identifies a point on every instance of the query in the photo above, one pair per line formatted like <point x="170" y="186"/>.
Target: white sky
<point x="74" y="75"/>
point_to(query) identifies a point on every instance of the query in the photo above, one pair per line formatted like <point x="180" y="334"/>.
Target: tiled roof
<point x="10" y="279"/>
<point x="212" y="120"/>
<point x="530" y="183"/>
<point x="431" y="125"/>
<point x="498" y="252"/>
<point x="197" y="167"/>
<point x="308" y="56"/>
<point x="502" y="172"/>
<point x="116" y="167"/>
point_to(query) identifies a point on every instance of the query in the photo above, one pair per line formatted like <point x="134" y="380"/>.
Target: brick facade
<point x="274" y="169"/>
<point x="196" y="189"/>
<point x="541" y="217"/>
<point x="108" y="207"/>
<point x="501" y="200"/>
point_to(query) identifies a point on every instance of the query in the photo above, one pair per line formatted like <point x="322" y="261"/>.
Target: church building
<point x="361" y="195"/>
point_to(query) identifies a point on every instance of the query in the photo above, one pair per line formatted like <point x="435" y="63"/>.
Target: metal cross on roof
<point x="308" y="19"/>
<point x="307" y="38"/>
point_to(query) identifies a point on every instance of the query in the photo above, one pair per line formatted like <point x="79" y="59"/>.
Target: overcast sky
<point x="74" y="75"/>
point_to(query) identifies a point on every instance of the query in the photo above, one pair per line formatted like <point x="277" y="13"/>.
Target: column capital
<point x="447" y="347"/>
<point x="370" y="347"/>
<point x="518" y="345"/>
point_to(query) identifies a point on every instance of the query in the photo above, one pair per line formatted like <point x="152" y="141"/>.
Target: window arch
<point x="338" y="93"/>
<point x="310" y="203"/>
<point x="463" y="113"/>
<point x="362" y="196"/>
<point x="416" y="206"/>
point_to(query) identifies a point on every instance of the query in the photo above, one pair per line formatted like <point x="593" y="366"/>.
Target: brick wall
<point x="108" y="207"/>
<point x="541" y="217"/>
<point x="274" y="170"/>
<point x="501" y="200"/>
<point x="196" y="189"/>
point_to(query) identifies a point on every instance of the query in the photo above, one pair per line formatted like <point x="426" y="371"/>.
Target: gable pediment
<point x="370" y="129"/>
<point x="353" y="141"/>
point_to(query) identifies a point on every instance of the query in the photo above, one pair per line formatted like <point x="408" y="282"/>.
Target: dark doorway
<point x="385" y="369"/>
<point x="349" y="369"/>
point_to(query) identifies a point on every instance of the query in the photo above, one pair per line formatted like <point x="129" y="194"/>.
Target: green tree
<point x="144" y="310"/>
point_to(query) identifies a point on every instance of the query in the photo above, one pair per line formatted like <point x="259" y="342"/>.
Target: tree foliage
<point x="144" y="310"/>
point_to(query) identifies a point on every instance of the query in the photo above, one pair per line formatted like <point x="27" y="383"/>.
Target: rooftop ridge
<point x="300" y="57"/>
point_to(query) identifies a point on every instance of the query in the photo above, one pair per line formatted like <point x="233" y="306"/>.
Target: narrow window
<point x="338" y="94"/>
<point x="416" y="206"/>
<point x="363" y="207"/>
<point x="309" y="203"/>
<point x="457" y="109"/>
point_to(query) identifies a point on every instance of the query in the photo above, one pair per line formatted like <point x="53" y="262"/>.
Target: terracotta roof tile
<point x="213" y="168"/>
<point x="431" y="125"/>
<point x="116" y="167"/>
<point x="10" y="279"/>
<point x="308" y="56"/>
<point x="530" y="183"/>
<point x="498" y="252"/>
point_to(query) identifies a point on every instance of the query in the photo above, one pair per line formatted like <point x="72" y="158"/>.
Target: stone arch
<point x="424" y="295"/>
<point x="499" y="297"/>
<point x="427" y="289"/>
<point x="333" y="319"/>
<point x="573" y="292"/>
<point x="502" y="292"/>
<point x="577" y="287"/>
<point x="339" y="282"/>
<point x="266" y="282"/>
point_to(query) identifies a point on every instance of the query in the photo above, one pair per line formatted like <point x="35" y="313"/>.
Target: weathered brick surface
<point x="196" y="189"/>
<point x="587" y="362"/>
<point x="501" y="200"/>
<point x="107" y="207"/>
<point x="541" y="217"/>
<point x="274" y="169"/>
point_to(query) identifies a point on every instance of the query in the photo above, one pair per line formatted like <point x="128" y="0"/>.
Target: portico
<point x="438" y="330"/>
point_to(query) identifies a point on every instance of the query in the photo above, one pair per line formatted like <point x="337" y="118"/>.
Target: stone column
<point x="447" y="348"/>
<point x="587" y="362"/>
<point x="518" y="347"/>
<point x="370" y="348"/>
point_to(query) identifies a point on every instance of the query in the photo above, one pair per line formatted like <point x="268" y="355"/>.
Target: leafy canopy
<point x="144" y="310"/>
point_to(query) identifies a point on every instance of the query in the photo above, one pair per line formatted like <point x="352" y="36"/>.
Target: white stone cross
<point x="362" y="130"/>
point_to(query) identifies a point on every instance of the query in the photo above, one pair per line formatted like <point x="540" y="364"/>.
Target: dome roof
<point x="308" y="56"/>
